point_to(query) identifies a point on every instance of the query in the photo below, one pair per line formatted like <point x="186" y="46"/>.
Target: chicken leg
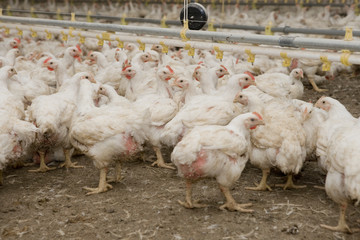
<point x="103" y="185"/>
<point x="117" y="174"/>
<point x="43" y="167"/>
<point x="160" y="160"/>
<point x="188" y="200"/>
<point x="316" y="88"/>
<point x="262" y="186"/>
<point x="230" y="202"/>
<point x="342" y="226"/>
<point x="68" y="163"/>
<point x="290" y="184"/>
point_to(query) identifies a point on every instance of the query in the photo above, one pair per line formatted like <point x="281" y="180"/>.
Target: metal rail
<point x="285" y="29"/>
<point x="283" y="41"/>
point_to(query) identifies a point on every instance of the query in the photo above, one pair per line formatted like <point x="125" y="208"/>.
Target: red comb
<point x="258" y="115"/>
<point x="48" y="59"/>
<point x="126" y="68"/>
<point x="224" y="67"/>
<point x="170" y="69"/>
<point x="17" y="40"/>
<point x="250" y="74"/>
<point x="78" y="47"/>
<point x="237" y="60"/>
<point x="201" y="62"/>
<point x="198" y="67"/>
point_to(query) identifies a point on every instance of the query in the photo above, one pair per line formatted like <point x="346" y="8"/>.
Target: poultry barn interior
<point x="221" y="119"/>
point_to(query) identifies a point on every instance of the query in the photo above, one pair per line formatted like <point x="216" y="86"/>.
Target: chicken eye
<point x="86" y="77"/>
<point x="221" y="70"/>
<point x="73" y="50"/>
<point x="246" y="79"/>
<point x="323" y="102"/>
<point x="164" y="72"/>
<point x="252" y="119"/>
<point x="240" y="96"/>
<point x="181" y="81"/>
<point x="11" y="70"/>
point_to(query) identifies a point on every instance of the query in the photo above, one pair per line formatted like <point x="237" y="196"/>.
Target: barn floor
<point x="144" y="205"/>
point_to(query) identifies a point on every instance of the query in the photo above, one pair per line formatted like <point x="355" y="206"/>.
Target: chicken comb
<point x="17" y="40"/>
<point x="224" y="67"/>
<point x="198" y="67"/>
<point x="48" y="59"/>
<point x="170" y="69"/>
<point x="126" y="67"/>
<point x="250" y="74"/>
<point x="237" y="60"/>
<point x="294" y="63"/>
<point x="78" y="47"/>
<point x="258" y="115"/>
<point x="201" y="62"/>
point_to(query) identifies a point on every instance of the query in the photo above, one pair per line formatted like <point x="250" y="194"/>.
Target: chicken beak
<point x="302" y="74"/>
<point x="261" y="122"/>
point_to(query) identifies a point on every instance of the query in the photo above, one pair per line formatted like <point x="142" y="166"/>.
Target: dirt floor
<point x="144" y="205"/>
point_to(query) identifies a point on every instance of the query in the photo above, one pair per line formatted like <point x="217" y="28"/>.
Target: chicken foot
<point x="262" y="186"/>
<point x="43" y="167"/>
<point x="316" y="88"/>
<point x="290" y="184"/>
<point x="117" y="174"/>
<point x="68" y="163"/>
<point x="160" y="160"/>
<point x="189" y="203"/>
<point x="103" y="185"/>
<point x="342" y="226"/>
<point x="231" y="204"/>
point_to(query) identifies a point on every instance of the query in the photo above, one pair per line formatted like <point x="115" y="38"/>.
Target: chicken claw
<point x="68" y="163"/>
<point x="233" y="206"/>
<point x="192" y="204"/>
<point x="71" y="165"/>
<point x="162" y="164"/>
<point x="262" y="186"/>
<point x="230" y="204"/>
<point x="97" y="190"/>
<point x="42" y="168"/>
<point x="290" y="184"/>
<point x="342" y="226"/>
<point x="316" y="88"/>
<point x="103" y="185"/>
<point x="160" y="160"/>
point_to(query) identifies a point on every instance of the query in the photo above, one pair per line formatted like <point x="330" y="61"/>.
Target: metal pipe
<point x="285" y="29"/>
<point x="240" y="48"/>
<point x="285" y="41"/>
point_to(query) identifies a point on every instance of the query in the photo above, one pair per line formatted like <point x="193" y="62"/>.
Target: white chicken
<point x="15" y="138"/>
<point x="209" y="77"/>
<point x="8" y="101"/>
<point x="279" y="143"/>
<point x="52" y="114"/>
<point x="219" y="152"/>
<point x="106" y="133"/>
<point x="337" y="115"/>
<point x="343" y="177"/>
<point x="281" y="85"/>
<point x="205" y="110"/>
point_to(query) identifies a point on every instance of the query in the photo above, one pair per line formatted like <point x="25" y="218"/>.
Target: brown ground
<point x="144" y="205"/>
